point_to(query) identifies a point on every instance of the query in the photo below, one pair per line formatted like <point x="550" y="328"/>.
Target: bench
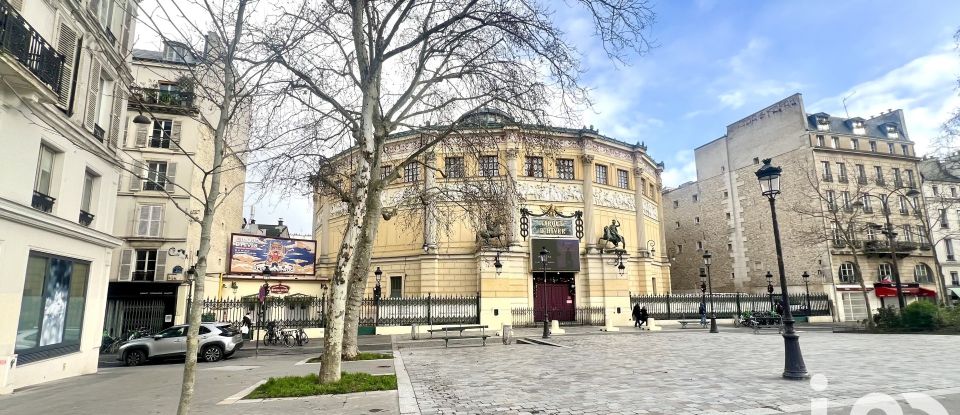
<point x="447" y="335"/>
<point x="683" y="323"/>
<point x="765" y="322"/>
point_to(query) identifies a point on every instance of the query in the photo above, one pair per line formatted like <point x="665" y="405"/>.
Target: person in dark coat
<point x="703" y="314"/>
<point x="636" y="315"/>
<point x="643" y="318"/>
<point x="778" y="307"/>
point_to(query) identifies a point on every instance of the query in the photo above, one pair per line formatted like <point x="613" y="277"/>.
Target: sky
<point x="716" y="62"/>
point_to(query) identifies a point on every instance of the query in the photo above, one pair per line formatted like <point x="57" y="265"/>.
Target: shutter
<point x="141" y="135"/>
<point x="156" y="220"/>
<point x="161" y="273"/>
<point x="171" y="173"/>
<point x="118" y="95"/>
<point x="66" y="45"/>
<point x="143" y="220"/>
<point x="135" y="182"/>
<point x="175" y="133"/>
<point x="17" y="5"/>
<point x="128" y="10"/>
<point x="93" y="92"/>
<point x="125" y="259"/>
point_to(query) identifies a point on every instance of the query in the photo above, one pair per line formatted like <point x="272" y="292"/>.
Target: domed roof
<point x="487" y="115"/>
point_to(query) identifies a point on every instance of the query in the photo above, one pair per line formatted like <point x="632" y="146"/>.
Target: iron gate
<point x="124" y="315"/>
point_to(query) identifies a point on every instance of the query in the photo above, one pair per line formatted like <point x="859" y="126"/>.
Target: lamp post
<point x="703" y="287"/>
<point x="543" y="292"/>
<point x="793" y="368"/>
<point x="621" y="269"/>
<point x="497" y="264"/>
<point x="891" y="234"/>
<point x="770" y="288"/>
<point x="806" y="285"/>
<point x="261" y="312"/>
<point x="707" y="260"/>
<point x="377" y="292"/>
<point x="650" y="247"/>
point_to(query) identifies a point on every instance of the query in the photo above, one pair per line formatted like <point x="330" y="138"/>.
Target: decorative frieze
<point x="650" y="210"/>
<point x="550" y="192"/>
<point x="614" y="199"/>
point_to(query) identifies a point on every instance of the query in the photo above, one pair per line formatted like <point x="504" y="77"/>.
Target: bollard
<point x="507" y="334"/>
<point x="413" y="332"/>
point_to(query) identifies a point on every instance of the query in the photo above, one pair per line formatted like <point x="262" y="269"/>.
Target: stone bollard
<point x="555" y="327"/>
<point x="414" y="335"/>
<point x="507" y="334"/>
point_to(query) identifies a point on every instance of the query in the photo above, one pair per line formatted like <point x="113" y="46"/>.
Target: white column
<point x="513" y="206"/>
<point x="587" y="161"/>
<point x="638" y="201"/>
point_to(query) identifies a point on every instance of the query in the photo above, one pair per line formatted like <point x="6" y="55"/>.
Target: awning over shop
<point x="884" y="291"/>
<point x="955" y="291"/>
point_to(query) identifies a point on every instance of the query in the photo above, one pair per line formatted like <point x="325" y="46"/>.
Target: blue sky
<point x="719" y="61"/>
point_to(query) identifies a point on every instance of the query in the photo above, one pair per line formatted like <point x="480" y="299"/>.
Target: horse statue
<point x="612" y="235"/>
<point x="491" y="230"/>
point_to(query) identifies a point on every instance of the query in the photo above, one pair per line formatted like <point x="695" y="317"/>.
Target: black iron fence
<point x="305" y="311"/>
<point x="582" y="316"/>
<point x="727" y="305"/>
<point x="428" y="310"/>
<point x="26" y="45"/>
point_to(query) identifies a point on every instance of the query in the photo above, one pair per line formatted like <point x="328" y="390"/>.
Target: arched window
<point x="922" y="273"/>
<point x="847" y="274"/>
<point x="885" y="271"/>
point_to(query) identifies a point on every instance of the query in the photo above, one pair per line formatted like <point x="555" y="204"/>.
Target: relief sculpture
<point x="550" y="192"/>
<point x="614" y="199"/>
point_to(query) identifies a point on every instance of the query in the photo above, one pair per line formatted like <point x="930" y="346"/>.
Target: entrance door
<point x="559" y="300"/>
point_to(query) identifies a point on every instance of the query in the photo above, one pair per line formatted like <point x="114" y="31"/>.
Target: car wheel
<point x="134" y="358"/>
<point x="212" y="353"/>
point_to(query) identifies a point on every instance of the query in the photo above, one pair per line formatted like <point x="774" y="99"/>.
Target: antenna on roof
<point x="845" y="103"/>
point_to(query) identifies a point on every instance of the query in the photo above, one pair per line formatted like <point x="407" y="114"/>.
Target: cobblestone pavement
<point x="675" y="373"/>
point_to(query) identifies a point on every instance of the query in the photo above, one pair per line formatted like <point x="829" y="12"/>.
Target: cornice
<point x="25" y="215"/>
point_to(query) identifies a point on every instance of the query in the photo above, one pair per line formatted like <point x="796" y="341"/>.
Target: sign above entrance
<point x="279" y="289"/>
<point x="563" y="255"/>
<point x="548" y="226"/>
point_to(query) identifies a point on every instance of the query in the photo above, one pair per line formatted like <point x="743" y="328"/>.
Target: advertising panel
<point x="251" y="254"/>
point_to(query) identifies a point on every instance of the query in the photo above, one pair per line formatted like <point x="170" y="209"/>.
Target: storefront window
<point x="51" y="310"/>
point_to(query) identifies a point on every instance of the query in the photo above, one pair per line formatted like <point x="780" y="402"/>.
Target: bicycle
<point x="300" y="336"/>
<point x="273" y="335"/>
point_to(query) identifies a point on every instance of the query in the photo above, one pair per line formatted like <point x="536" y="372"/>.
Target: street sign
<point x="279" y="289"/>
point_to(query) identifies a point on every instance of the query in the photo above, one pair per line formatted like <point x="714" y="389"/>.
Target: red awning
<point x="915" y="291"/>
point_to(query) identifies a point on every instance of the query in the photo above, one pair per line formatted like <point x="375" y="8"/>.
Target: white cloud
<point x="925" y="88"/>
<point x="682" y="169"/>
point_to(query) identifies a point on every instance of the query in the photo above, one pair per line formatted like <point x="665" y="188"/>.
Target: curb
<point x="407" y="398"/>
<point x="232" y="399"/>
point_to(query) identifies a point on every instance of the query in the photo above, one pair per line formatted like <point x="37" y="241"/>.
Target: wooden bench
<point x="447" y="335"/>
<point x="683" y="323"/>
<point x="767" y="322"/>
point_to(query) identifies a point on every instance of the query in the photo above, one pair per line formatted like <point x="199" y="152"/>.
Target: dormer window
<point x="176" y="52"/>
<point x="857" y="126"/>
<point x="822" y="120"/>
<point x="891" y="130"/>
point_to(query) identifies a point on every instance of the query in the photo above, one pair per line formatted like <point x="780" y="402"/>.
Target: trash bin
<point x="507" y="334"/>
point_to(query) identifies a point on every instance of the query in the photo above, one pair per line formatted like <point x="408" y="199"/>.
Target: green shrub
<point x="921" y="315"/>
<point x="309" y="385"/>
<point x="887" y="318"/>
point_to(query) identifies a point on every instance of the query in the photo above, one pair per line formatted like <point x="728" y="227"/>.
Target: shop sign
<point x="279" y="289"/>
<point x="551" y="226"/>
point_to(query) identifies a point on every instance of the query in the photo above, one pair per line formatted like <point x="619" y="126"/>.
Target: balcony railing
<point x="162" y="99"/>
<point x="22" y="41"/>
<point x="144" y="275"/>
<point x="879" y="181"/>
<point x="828" y="177"/>
<point x="42" y="202"/>
<point x="861" y="180"/>
<point x="111" y="37"/>
<point x="842" y="179"/>
<point x="898" y="183"/>
<point x="98" y="132"/>
<point x="86" y="218"/>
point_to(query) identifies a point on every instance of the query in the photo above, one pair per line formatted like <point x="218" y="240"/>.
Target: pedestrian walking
<point x="636" y="315"/>
<point x="643" y="318"/>
<point x="703" y="315"/>
<point x="246" y="326"/>
<point x="778" y="307"/>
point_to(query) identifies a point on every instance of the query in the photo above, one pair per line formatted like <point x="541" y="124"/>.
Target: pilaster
<point x="587" y="161"/>
<point x="513" y="206"/>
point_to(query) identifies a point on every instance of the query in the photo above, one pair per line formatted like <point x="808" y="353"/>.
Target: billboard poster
<point x="55" y="292"/>
<point x="251" y="254"/>
<point x="563" y="255"/>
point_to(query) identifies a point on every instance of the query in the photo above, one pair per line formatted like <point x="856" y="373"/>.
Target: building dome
<point x="487" y="115"/>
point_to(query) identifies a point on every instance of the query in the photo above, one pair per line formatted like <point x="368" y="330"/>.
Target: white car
<point x="217" y="341"/>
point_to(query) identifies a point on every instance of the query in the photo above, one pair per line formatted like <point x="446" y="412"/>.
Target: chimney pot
<point x="279" y="221"/>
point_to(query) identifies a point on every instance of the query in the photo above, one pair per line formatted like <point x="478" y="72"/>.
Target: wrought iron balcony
<point x="827" y="177"/>
<point x="861" y="180"/>
<point x="25" y="44"/>
<point x="98" y="132"/>
<point x="879" y="181"/>
<point x="86" y="218"/>
<point x="842" y="179"/>
<point x="41" y="201"/>
<point x="162" y="100"/>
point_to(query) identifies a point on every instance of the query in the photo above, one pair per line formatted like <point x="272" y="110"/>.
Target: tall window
<point x="105" y="13"/>
<point x="904" y="205"/>
<point x="885" y="271"/>
<point x="601" y="171"/>
<point x="873" y="146"/>
<point x="820" y="141"/>
<point x="105" y="100"/>
<point x="396" y="286"/>
<point x="835" y="141"/>
<point x="842" y="172"/>
<point x="890" y="148"/>
<point x="145" y="268"/>
<point x="826" y="171"/>
<point x="943" y="219"/>
<point x="161" y="133"/>
<point x="871" y="234"/>
<point x="623" y="179"/>
<point x="897" y="180"/>
<point x="845" y="198"/>
<point x="51" y="307"/>
<point x="866" y="203"/>
<point x="489" y="166"/>
<point x="847" y="273"/>
<point x="855" y="144"/>
<point x="86" y="200"/>
<point x="936" y="190"/>
<point x="565" y="169"/>
<point x="453" y="167"/>
<point x="955" y="278"/>
<point x="385" y="171"/>
<point x="831" y="200"/>
<point x="905" y="149"/>
<point x="156" y="176"/>
<point x="835" y="231"/>
<point x="411" y="172"/>
<point x="908" y="233"/>
<point x="910" y="181"/>
<point x="533" y="166"/>
<point x="861" y="174"/>
<point x="953" y="191"/>
<point x="922" y="273"/>
<point x="878" y="174"/>
<point x="44" y="177"/>
<point x="149" y="220"/>
<point x="947" y="242"/>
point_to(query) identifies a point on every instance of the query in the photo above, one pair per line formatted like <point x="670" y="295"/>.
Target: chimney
<point x="279" y="221"/>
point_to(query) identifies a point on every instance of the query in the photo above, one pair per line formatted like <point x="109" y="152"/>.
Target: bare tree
<point x="367" y="69"/>
<point x="934" y="211"/>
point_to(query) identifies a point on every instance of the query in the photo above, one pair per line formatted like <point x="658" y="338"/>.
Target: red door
<point x="559" y="300"/>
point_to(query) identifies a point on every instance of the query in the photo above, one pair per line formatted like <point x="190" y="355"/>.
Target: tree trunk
<point x="358" y="281"/>
<point x="863" y="289"/>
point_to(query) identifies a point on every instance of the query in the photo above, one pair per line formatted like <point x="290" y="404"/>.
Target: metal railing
<point x="727" y="305"/>
<point x="582" y="316"/>
<point x="162" y="98"/>
<point x="294" y="311"/>
<point x="86" y="218"/>
<point x="42" y="202"/>
<point x="428" y="309"/>
<point x="98" y="132"/>
<point x="26" y="45"/>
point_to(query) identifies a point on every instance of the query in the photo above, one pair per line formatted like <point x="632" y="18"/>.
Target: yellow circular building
<point x="590" y="203"/>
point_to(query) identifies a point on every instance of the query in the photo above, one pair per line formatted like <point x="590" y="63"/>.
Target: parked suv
<point x="217" y="341"/>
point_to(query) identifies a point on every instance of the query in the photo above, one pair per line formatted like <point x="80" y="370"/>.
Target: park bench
<point x="683" y="323"/>
<point x="766" y="322"/>
<point x="449" y="335"/>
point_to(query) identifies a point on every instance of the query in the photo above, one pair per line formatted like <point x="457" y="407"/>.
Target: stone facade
<point x="735" y="220"/>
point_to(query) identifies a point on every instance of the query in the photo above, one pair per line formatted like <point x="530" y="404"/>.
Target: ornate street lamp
<point x="650" y="247"/>
<point x="703" y="287"/>
<point x="707" y="260"/>
<point x="261" y="311"/>
<point x="794" y="367"/>
<point x="621" y="268"/>
<point x="377" y="292"/>
<point x="806" y="284"/>
<point x="770" y="288"/>
<point x="543" y="292"/>
<point x="497" y="264"/>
